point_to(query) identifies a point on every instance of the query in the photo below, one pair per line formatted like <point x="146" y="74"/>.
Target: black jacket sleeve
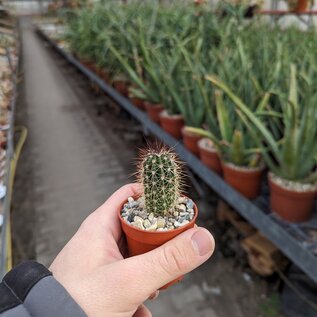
<point x="30" y="290"/>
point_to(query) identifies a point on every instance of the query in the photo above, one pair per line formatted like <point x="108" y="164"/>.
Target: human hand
<point x="93" y="270"/>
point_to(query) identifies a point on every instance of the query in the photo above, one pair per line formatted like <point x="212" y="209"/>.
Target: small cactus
<point x="160" y="174"/>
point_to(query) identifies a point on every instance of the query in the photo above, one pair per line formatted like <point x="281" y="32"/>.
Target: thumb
<point x="152" y="270"/>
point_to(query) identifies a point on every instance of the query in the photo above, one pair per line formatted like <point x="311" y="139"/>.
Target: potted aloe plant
<point x="292" y="155"/>
<point x="160" y="212"/>
<point x="240" y="158"/>
<point x="187" y="94"/>
<point x="172" y="120"/>
<point x="149" y="87"/>
<point x="141" y="37"/>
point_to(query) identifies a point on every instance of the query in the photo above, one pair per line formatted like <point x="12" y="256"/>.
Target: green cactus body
<point x="160" y="176"/>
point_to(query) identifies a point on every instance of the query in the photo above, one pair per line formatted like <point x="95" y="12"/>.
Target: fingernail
<point x="202" y="241"/>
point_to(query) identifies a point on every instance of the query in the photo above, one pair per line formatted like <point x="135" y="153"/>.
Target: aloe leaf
<point x="237" y="149"/>
<point x="264" y="102"/>
<point x="134" y="76"/>
<point x="255" y="121"/>
<point x="293" y="96"/>
<point x="261" y="148"/>
<point x="223" y="117"/>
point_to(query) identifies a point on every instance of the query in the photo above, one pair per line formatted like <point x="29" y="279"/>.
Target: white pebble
<point x="130" y="199"/>
<point x="190" y="204"/>
<point x="138" y="224"/>
<point x="182" y="200"/>
<point x="161" y="223"/>
<point x="153" y="227"/>
<point x="181" y="207"/>
<point x="146" y="224"/>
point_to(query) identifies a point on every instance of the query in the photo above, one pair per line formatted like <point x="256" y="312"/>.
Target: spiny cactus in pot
<point x="160" y="212"/>
<point x="160" y="175"/>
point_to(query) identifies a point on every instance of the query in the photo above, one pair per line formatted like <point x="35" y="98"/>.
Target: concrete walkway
<point x="72" y="161"/>
<point x="75" y="170"/>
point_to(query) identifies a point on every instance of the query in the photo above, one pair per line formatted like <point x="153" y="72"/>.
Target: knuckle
<point x="174" y="260"/>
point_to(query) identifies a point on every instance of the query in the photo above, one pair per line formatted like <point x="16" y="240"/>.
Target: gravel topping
<point x="245" y="168"/>
<point x="293" y="186"/>
<point x="135" y="214"/>
<point x="207" y="144"/>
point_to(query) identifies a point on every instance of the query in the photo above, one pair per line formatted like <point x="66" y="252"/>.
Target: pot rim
<point x="153" y="105"/>
<point x="133" y="97"/>
<point x="245" y="169"/>
<point x="165" y="114"/>
<point x="308" y="191"/>
<point x="160" y="232"/>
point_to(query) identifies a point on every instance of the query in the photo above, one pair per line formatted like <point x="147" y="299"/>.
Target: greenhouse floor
<point x="73" y="160"/>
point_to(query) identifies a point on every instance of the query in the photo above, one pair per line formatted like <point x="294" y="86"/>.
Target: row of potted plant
<point x="258" y="112"/>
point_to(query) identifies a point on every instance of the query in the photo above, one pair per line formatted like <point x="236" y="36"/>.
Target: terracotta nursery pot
<point x="209" y="156"/>
<point x="172" y="124"/>
<point x="91" y="66"/>
<point x="103" y="74"/>
<point x="153" y="111"/>
<point x="291" y="205"/>
<point x="139" y="103"/>
<point x="245" y="181"/>
<point x="191" y="141"/>
<point x="301" y="6"/>
<point x="142" y="241"/>
<point x="121" y="86"/>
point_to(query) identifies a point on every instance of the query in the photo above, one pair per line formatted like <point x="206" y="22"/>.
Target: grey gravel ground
<point x="72" y="161"/>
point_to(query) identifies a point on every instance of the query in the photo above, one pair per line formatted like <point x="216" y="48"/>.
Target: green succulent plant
<point x="160" y="174"/>
<point x="230" y="137"/>
<point x="166" y="51"/>
<point x="292" y="155"/>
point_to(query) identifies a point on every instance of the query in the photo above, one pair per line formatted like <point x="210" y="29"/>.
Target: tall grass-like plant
<point x="231" y="139"/>
<point x="293" y="155"/>
<point x="167" y="50"/>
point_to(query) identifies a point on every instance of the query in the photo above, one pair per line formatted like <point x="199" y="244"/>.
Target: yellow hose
<point x="13" y="164"/>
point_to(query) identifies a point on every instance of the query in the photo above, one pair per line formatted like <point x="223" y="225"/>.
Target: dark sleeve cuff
<point x="30" y="290"/>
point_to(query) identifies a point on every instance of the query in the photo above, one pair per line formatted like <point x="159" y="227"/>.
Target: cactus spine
<point x="160" y="174"/>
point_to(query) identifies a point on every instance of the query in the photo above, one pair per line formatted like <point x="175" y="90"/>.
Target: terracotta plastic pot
<point x="191" y="141"/>
<point x="85" y="62"/>
<point x="172" y="124"/>
<point x="153" y="111"/>
<point x="103" y="74"/>
<point x="302" y="6"/>
<point x="139" y="103"/>
<point x="209" y="156"/>
<point x="142" y="241"/>
<point x="247" y="182"/>
<point x="91" y="66"/>
<point x="122" y="87"/>
<point x="291" y="205"/>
